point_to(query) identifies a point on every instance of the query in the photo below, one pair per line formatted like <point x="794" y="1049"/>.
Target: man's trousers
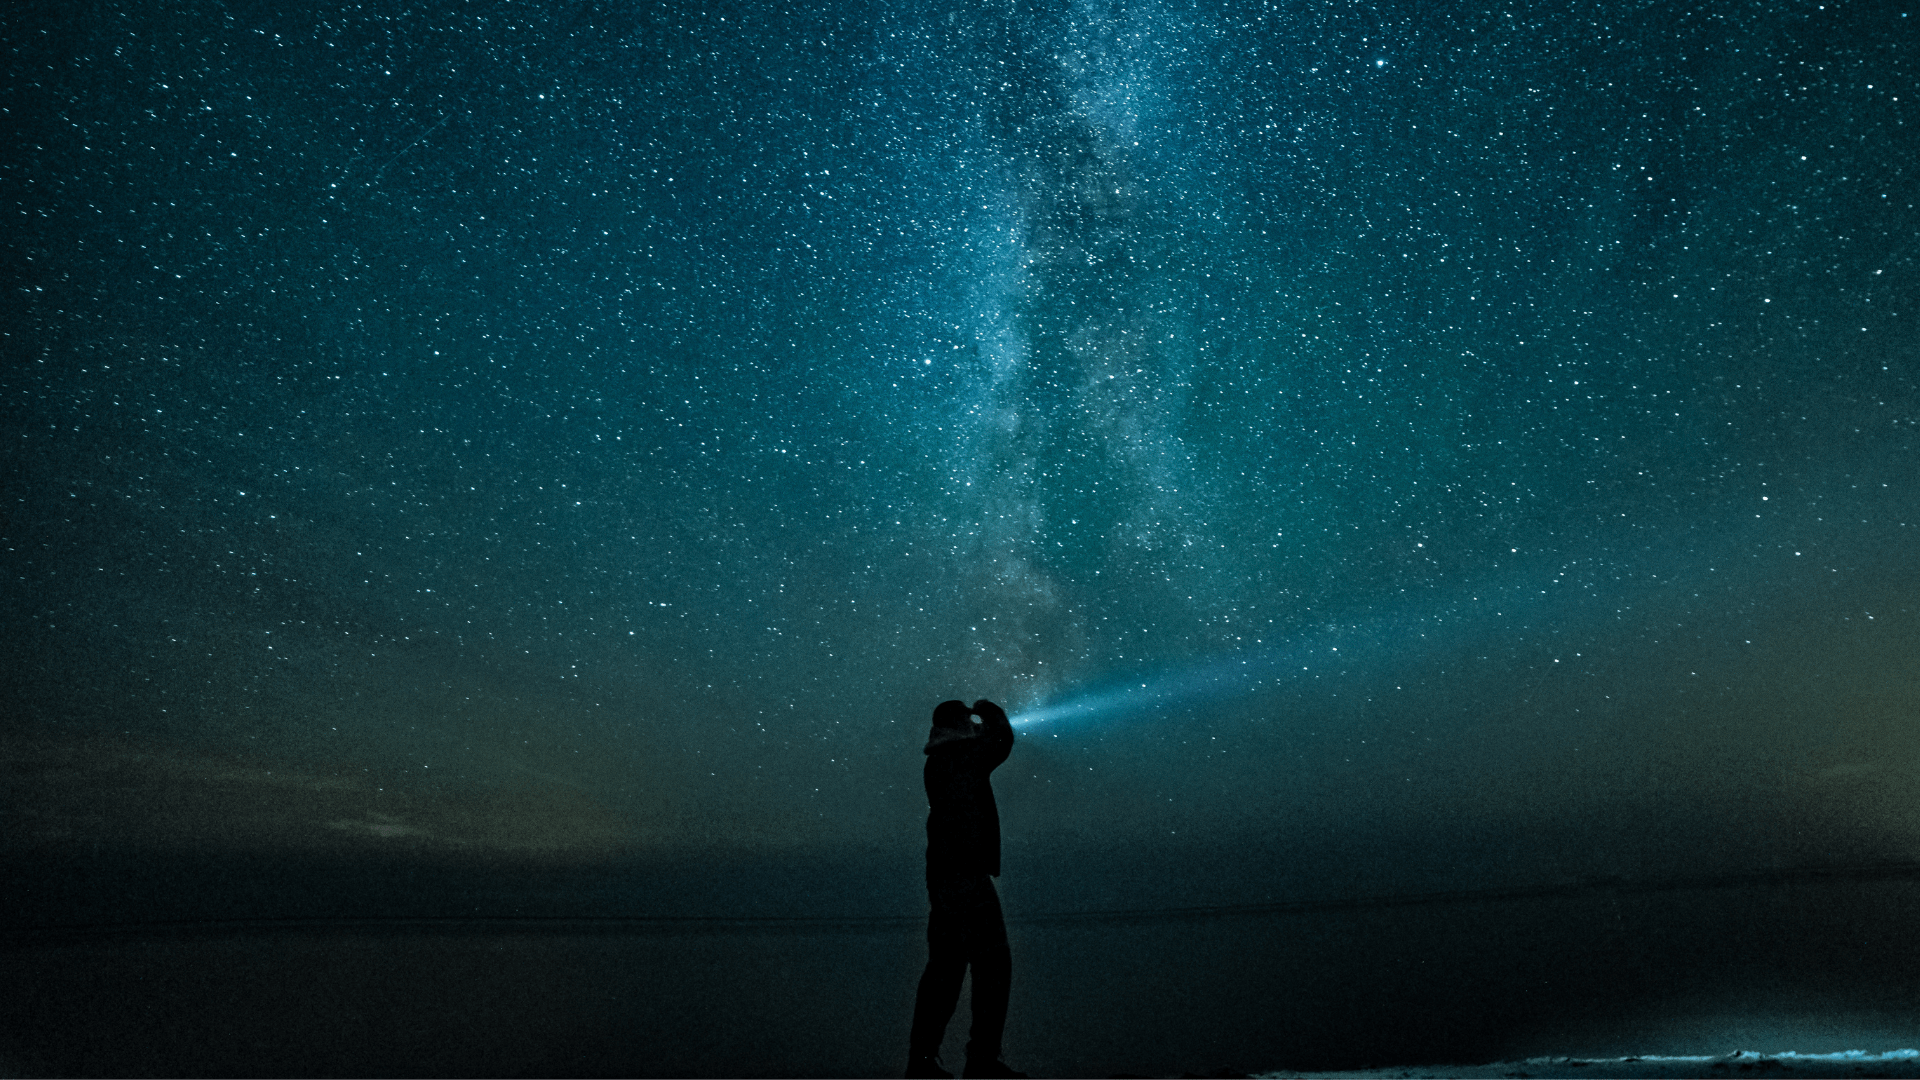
<point x="965" y="930"/>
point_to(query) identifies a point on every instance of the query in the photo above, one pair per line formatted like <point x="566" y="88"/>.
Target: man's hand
<point x="996" y="729"/>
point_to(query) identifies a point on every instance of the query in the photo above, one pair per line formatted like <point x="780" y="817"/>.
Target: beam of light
<point x="1489" y="609"/>
<point x="1214" y="680"/>
<point x="1512" y="605"/>
<point x="1503" y="607"/>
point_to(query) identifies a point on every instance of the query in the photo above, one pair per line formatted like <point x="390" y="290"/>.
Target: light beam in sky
<point x="1213" y="680"/>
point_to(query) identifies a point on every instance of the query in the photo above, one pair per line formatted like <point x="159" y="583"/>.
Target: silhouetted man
<point x="963" y="857"/>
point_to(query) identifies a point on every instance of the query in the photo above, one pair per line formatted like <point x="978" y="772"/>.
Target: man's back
<point x="963" y="823"/>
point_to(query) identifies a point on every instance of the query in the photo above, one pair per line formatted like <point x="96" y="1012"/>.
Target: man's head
<point x="952" y="714"/>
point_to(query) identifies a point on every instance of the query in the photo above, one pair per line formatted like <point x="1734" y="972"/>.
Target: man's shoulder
<point x="965" y="754"/>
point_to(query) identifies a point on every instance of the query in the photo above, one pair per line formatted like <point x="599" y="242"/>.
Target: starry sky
<point x="1443" y="443"/>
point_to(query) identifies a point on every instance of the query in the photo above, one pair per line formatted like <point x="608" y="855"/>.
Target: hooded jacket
<point x="963" y="824"/>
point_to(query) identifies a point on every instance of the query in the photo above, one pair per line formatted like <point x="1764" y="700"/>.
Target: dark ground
<point x="1813" y="963"/>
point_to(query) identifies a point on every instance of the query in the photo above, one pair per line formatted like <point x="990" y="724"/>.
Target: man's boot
<point x="926" y="1067"/>
<point x="992" y="1067"/>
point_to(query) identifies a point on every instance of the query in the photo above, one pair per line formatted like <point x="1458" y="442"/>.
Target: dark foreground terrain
<point x="240" y="965"/>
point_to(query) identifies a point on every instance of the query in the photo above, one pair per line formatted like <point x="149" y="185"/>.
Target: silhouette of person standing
<point x="965" y="928"/>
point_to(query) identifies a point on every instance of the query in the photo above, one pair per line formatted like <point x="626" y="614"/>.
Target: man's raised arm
<point x="995" y="728"/>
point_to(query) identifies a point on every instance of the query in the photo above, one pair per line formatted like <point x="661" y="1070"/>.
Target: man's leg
<point x="940" y="983"/>
<point x="992" y="975"/>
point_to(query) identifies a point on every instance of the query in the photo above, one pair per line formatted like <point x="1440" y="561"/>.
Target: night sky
<point x="1369" y="447"/>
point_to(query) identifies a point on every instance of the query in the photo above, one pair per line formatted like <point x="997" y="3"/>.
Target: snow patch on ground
<point x="1743" y="1063"/>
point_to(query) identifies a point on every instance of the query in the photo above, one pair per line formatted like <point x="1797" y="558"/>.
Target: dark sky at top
<point x="1486" y="431"/>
